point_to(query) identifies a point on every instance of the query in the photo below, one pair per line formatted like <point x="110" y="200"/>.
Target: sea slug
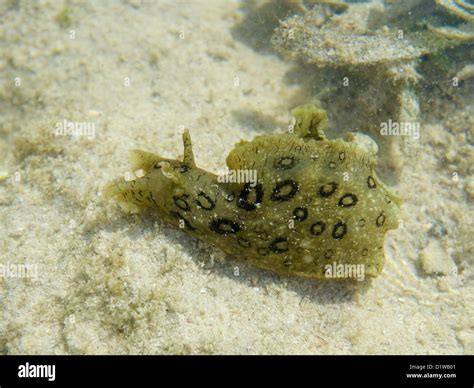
<point x="316" y="204"/>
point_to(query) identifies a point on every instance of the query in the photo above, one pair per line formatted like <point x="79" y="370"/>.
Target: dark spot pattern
<point x="205" y="202"/>
<point x="380" y="220"/>
<point x="342" y="156"/>
<point x="371" y="182"/>
<point x="300" y="213"/>
<point x="224" y="226"/>
<point x="263" y="251"/>
<point x="365" y="251"/>
<point x="279" y="245"/>
<point x="182" y="202"/>
<point x="339" y="230"/>
<point x="243" y="201"/>
<point x="284" y="163"/>
<point x="348" y="200"/>
<point x="387" y="199"/>
<point x="328" y="189"/>
<point x="317" y="228"/>
<point x="157" y="166"/>
<point x="284" y="190"/>
<point x="184" y="168"/>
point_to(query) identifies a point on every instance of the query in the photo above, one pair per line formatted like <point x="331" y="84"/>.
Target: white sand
<point x="110" y="283"/>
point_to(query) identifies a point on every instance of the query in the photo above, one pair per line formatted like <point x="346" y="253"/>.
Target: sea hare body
<point x="315" y="207"/>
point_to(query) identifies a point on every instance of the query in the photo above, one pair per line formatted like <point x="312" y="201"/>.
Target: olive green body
<point x="315" y="202"/>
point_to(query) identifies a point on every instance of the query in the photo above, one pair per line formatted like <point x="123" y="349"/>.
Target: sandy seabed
<point x="82" y="277"/>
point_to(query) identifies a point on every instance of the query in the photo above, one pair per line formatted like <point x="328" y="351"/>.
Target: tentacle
<point x="188" y="157"/>
<point x="310" y="121"/>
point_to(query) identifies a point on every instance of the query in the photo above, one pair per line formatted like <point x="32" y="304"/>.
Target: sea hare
<point x="313" y="207"/>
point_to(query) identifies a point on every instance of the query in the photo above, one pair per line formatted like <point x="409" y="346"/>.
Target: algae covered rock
<point x="332" y="42"/>
<point x="372" y="34"/>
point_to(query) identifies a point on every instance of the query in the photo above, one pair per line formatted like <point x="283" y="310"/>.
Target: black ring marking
<point x="243" y="202"/>
<point x="276" y="193"/>
<point x="361" y="222"/>
<point x="181" y="202"/>
<point x="348" y="200"/>
<point x="339" y="230"/>
<point x="276" y="247"/>
<point x="380" y="220"/>
<point x="371" y="182"/>
<point x="284" y="163"/>
<point x="342" y="156"/>
<point x="328" y="254"/>
<point x="210" y="204"/>
<point x="224" y="226"/>
<point x="328" y="189"/>
<point x="317" y="228"/>
<point x="300" y="213"/>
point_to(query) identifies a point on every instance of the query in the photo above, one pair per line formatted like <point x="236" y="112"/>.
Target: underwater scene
<point x="250" y="177"/>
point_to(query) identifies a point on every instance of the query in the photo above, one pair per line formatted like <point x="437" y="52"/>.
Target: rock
<point x="434" y="260"/>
